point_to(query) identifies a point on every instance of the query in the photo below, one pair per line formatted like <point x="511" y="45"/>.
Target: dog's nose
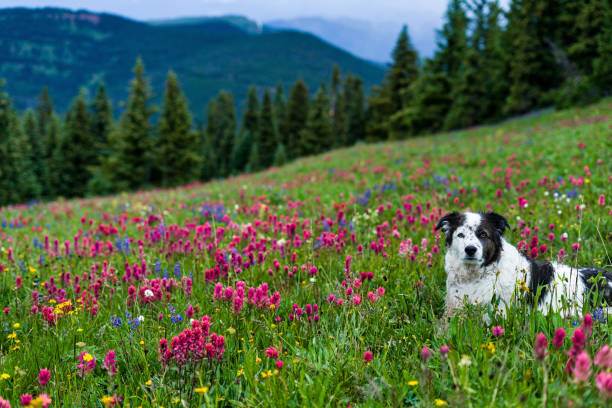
<point x="470" y="250"/>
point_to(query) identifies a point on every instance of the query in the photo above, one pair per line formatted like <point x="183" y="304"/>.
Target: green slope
<point x="65" y="50"/>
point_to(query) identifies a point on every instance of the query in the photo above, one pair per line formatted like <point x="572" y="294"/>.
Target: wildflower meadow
<point x="320" y="283"/>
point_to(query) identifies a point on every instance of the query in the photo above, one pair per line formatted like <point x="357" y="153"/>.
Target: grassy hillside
<point x="347" y="279"/>
<point x="66" y="50"/>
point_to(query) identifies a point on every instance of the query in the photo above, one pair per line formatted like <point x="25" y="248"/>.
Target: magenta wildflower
<point x="540" y="346"/>
<point x="367" y="356"/>
<point x="559" y="337"/>
<point x="582" y="369"/>
<point x="109" y="363"/>
<point x="497" y="331"/>
<point x="25" y="400"/>
<point x="425" y="353"/>
<point x="279" y="364"/>
<point x="604" y="384"/>
<point x="88" y="363"/>
<point x="603" y="358"/>
<point x="444" y="350"/>
<point x="601" y="201"/>
<point x="43" y="377"/>
<point x="272" y="352"/>
<point x="4" y="403"/>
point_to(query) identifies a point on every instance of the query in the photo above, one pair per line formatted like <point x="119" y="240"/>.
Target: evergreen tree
<point x="297" y="116"/>
<point x="602" y="65"/>
<point x="18" y="182"/>
<point x="316" y="137"/>
<point x="353" y="96"/>
<point x="339" y="121"/>
<point x="336" y="84"/>
<point x="588" y="27"/>
<point x="36" y="146"/>
<point x="533" y="69"/>
<point x="44" y="110"/>
<point x="267" y="135"/>
<point x="378" y="113"/>
<point x="250" y="119"/>
<point x="209" y="165"/>
<point x="177" y="145"/>
<point x="53" y="160"/>
<point x="132" y="141"/>
<point x="402" y="74"/>
<point x="253" y="164"/>
<point x="280" y="107"/>
<point x="101" y="121"/>
<point x="242" y="151"/>
<point x="221" y="132"/>
<point x="75" y="150"/>
<point x="280" y="156"/>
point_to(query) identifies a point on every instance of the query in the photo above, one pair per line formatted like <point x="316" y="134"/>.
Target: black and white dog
<point x="480" y="262"/>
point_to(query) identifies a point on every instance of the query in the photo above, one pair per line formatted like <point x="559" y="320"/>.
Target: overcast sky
<point x="405" y="11"/>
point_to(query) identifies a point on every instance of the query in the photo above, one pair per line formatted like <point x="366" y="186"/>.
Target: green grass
<point x="323" y="361"/>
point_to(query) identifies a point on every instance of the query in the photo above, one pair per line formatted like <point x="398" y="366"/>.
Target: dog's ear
<point x="499" y="222"/>
<point x="449" y="223"/>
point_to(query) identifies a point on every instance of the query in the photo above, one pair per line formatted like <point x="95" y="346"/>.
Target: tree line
<point x="489" y="64"/>
<point x="88" y="152"/>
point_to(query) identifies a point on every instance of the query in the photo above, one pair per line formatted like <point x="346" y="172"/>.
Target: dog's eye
<point x="482" y="234"/>
<point x="460" y="235"/>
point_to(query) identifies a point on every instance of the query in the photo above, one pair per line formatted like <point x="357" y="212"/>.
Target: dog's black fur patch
<point x="597" y="280"/>
<point x="494" y="225"/>
<point x="541" y="276"/>
<point x="448" y="224"/>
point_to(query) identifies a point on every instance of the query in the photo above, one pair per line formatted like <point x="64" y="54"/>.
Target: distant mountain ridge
<point x="67" y="49"/>
<point x="368" y="40"/>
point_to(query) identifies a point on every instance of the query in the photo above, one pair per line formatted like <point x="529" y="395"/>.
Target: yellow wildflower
<point x="87" y="357"/>
<point x="413" y="383"/>
<point x="440" y="403"/>
<point x="201" y="390"/>
<point x="4" y="376"/>
<point x="16" y="325"/>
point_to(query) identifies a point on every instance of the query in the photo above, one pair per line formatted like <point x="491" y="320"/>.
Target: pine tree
<point x="280" y="156"/>
<point x="253" y="164"/>
<point x="77" y="156"/>
<point x="316" y="137"/>
<point x="353" y="96"/>
<point x="280" y="108"/>
<point x="335" y="84"/>
<point x="209" y="165"/>
<point x="18" y="182"/>
<point x="267" y="134"/>
<point x="226" y="133"/>
<point x="53" y="160"/>
<point x="132" y="141"/>
<point x="588" y="27"/>
<point x="101" y="121"/>
<point x="339" y="121"/>
<point x="297" y="116"/>
<point x="532" y="33"/>
<point x="44" y="110"/>
<point x="36" y="146"/>
<point x="378" y="113"/>
<point x="402" y="74"/>
<point x="602" y="65"/>
<point x="250" y="119"/>
<point x="177" y="145"/>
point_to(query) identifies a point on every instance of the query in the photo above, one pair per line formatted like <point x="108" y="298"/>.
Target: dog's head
<point x="474" y="238"/>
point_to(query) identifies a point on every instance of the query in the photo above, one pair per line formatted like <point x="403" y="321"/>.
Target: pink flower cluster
<point x="87" y="363"/>
<point x="192" y="345"/>
<point x="109" y="363"/>
<point x="273" y="353"/>
<point x="579" y="365"/>
<point x="257" y="297"/>
<point x="310" y="311"/>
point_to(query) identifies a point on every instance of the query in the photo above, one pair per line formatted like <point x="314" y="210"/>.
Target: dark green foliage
<point x="53" y="159"/>
<point x="131" y="142"/>
<point x="253" y="164"/>
<point x="280" y="107"/>
<point x="317" y="135"/>
<point x="267" y="134"/>
<point x="177" y="145"/>
<point x="353" y="96"/>
<point x="280" y="156"/>
<point x="75" y="150"/>
<point x="379" y="113"/>
<point x="17" y="179"/>
<point x="602" y="65"/>
<point x="209" y="164"/>
<point x="242" y="150"/>
<point x="339" y="121"/>
<point x="36" y="146"/>
<point x="101" y="121"/>
<point x="297" y="116"/>
<point x="44" y="110"/>
<point x="221" y="132"/>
